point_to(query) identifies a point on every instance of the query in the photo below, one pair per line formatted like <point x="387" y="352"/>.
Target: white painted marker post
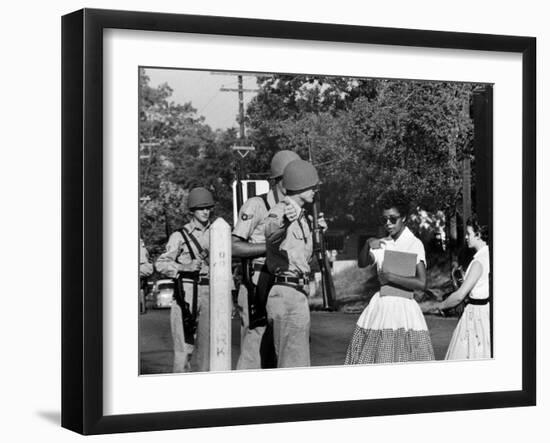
<point x="220" y="296"/>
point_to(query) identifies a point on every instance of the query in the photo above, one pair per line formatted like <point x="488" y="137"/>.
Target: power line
<point x="209" y="101"/>
<point x="240" y="90"/>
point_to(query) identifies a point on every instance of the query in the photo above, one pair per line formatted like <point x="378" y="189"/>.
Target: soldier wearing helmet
<point x="248" y="241"/>
<point x="289" y="252"/>
<point x="187" y="253"/>
<point x="145" y="271"/>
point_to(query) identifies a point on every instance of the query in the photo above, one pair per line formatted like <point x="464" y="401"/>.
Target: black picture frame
<point x="82" y="218"/>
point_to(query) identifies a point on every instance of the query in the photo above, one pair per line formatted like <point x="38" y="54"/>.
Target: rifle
<point x="257" y="298"/>
<point x="142" y="295"/>
<point x="319" y="249"/>
<point x="256" y="293"/>
<point x="188" y="315"/>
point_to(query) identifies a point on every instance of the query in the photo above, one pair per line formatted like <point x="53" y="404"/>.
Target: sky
<point x="202" y="89"/>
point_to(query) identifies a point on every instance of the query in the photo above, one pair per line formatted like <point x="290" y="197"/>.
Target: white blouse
<point x="406" y="242"/>
<point x="481" y="288"/>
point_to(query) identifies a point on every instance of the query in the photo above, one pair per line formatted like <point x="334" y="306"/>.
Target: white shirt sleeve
<point x="418" y="249"/>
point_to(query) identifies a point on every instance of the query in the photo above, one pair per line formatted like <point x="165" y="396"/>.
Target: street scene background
<point x="365" y="135"/>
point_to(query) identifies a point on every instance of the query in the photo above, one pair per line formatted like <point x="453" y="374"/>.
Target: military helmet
<point x="200" y="198"/>
<point x="280" y="160"/>
<point x="299" y="176"/>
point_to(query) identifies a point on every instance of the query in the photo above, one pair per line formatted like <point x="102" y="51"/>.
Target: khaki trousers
<point x="288" y="311"/>
<point x="200" y="351"/>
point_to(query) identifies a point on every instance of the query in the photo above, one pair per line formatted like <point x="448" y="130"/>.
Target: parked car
<point x="163" y="293"/>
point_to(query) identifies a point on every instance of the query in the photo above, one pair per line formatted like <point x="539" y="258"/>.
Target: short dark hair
<point x="394" y="199"/>
<point x="478" y="229"/>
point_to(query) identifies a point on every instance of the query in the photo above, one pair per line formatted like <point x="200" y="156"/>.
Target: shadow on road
<point x="330" y="336"/>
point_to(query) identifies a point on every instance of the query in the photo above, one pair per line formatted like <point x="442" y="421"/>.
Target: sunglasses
<point x="391" y="218"/>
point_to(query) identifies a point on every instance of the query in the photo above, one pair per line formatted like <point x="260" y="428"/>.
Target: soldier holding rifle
<point x="186" y="261"/>
<point x="328" y="290"/>
<point x="145" y="271"/>
<point x="289" y="252"/>
<point x="248" y="242"/>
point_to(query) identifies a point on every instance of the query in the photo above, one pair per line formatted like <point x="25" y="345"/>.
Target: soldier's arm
<point x="242" y="248"/>
<point x="186" y="261"/>
<point x="166" y="264"/>
<point x="145" y="269"/>
<point x="248" y="220"/>
<point x="145" y="266"/>
<point x="276" y="225"/>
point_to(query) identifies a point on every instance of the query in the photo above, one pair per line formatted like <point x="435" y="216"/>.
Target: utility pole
<point x="241" y="107"/>
<point x="240" y="90"/>
<point x="146" y="152"/>
<point x="466" y="191"/>
<point x="242" y="149"/>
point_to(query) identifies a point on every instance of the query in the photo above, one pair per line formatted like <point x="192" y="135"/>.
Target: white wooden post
<point x="220" y="296"/>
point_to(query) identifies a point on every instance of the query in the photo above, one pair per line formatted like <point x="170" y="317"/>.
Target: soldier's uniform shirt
<point x="177" y="257"/>
<point x="289" y="245"/>
<point x="289" y="251"/>
<point x="250" y="227"/>
<point x="145" y="266"/>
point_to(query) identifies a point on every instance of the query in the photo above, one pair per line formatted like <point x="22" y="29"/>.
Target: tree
<point x="179" y="152"/>
<point x="368" y="136"/>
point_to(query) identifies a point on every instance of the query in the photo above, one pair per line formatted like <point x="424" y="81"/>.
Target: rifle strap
<point x="302" y="215"/>
<point x="187" y="235"/>
<point x="266" y="203"/>
<point x="275" y="196"/>
<point x="186" y="240"/>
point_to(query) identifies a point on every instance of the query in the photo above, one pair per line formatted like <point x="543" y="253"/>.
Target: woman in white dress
<point x="392" y="328"/>
<point x="472" y="337"/>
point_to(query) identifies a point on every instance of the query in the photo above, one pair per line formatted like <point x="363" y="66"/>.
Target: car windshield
<point x="165" y="286"/>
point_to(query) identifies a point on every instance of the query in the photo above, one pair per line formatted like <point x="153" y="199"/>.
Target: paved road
<point x="330" y="335"/>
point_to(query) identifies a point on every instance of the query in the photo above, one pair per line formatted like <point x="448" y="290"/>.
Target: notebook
<point x="400" y="263"/>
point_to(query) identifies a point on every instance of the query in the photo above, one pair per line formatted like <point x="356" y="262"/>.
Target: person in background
<point x="145" y="271"/>
<point x="392" y="328"/>
<point x="472" y="336"/>
<point x="248" y="241"/>
<point x="186" y="260"/>
<point x="289" y="252"/>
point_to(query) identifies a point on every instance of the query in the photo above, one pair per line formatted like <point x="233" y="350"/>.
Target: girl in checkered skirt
<point x="392" y="327"/>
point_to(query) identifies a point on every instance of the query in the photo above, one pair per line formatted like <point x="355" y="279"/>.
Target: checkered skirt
<point x="390" y="329"/>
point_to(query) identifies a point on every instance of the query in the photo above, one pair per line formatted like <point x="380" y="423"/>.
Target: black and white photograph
<point x="277" y="221"/>
<point x="291" y="220"/>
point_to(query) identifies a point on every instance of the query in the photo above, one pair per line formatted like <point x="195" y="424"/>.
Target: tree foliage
<point x="178" y="152"/>
<point x="369" y="136"/>
<point x="366" y="136"/>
